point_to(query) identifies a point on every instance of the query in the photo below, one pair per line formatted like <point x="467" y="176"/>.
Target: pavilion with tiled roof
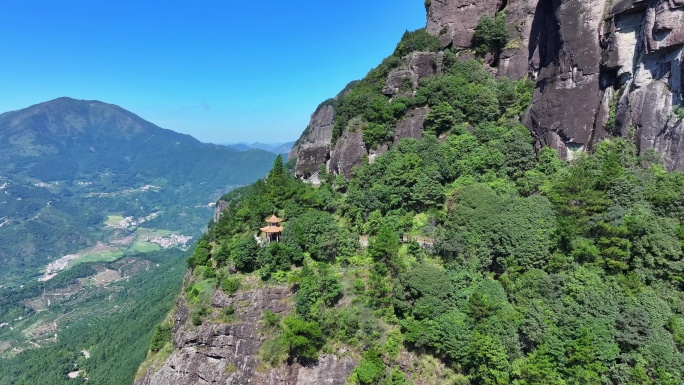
<point x="273" y="229"/>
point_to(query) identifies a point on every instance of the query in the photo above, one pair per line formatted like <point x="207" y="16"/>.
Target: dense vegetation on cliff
<point x="462" y="89"/>
<point x="507" y="265"/>
<point x="110" y="320"/>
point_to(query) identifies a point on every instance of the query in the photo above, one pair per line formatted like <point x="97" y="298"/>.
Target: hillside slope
<point x="440" y="242"/>
<point x="97" y="210"/>
<point x="68" y="165"/>
<point x="498" y="267"/>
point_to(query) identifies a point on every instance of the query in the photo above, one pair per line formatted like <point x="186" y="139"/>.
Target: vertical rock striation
<point x="313" y="148"/>
<point x="454" y="21"/>
<point x="566" y="62"/>
<point x="602" y="68"/>
<point x="316" y="149"/>
<point x="647" y="45"/>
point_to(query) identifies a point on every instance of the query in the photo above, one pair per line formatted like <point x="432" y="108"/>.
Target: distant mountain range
<point x="97" y="209"/>
<point x="277" y="148"/>
<point x="66" y="165"/>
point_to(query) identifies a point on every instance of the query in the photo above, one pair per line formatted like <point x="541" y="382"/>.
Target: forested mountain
<point x="521" y="270"/>
<point x="500" y="201"/>
<point x="97" y="208"/>
<point x="66" y="165"/>
<point x="462" y="223"/>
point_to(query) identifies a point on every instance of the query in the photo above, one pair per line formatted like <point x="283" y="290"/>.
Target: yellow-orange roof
<point x="273" y="219"/>
<point x="272" y="229"/>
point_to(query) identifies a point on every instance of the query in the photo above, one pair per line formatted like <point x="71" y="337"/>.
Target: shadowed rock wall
<point x="602" y="68"/>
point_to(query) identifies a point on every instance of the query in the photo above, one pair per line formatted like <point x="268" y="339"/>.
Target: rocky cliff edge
<point x="602" y="68"/>
<point x="220" y="352"/>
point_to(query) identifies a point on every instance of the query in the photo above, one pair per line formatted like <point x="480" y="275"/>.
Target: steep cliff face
<point x="602" y="68"/>
<point x="315" y="148"/>
<point x="566" y="63"/>
<point x="227" y="353"/>
<point x="651" y="75"/>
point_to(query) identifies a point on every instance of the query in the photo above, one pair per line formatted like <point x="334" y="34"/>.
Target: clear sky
<point x="222" y="71"/>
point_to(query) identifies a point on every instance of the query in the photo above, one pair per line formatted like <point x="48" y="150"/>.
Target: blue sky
<point x="222" y="71"/>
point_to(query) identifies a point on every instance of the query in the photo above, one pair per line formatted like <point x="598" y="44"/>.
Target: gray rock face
<point x="349" y="152"/>
<point x="424" y="64"/>
<point x="221" y="206"/>
<point x="219" y="353"/>
<point x="592" y="60"/>
<point x="411" y="126"/>
<point x="398" y="81"/>
<point x="581" y="53"/>
<point x="310" y="158"/>
<point x="566" y="59"/>
<point x="664" y="25"/>
<point x="403" y="81"/>
<point x="514" y="60"/>
<point x="454" y="21"/>
<point x="313" y="148"/>
<point x="646" y="48"/>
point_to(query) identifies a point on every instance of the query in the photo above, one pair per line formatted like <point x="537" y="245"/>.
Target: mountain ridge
<point x="278" y="148"/>
<point x="617" y="73"/>
<point x="441" y="241"/>
<point x="53" y="125"/>
<point x="54" y="152"/>
<point x="97" y="209"/>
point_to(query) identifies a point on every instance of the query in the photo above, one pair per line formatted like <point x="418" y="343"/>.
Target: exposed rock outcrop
<point x="349" y="151"/>
<point x="419" y="65"/>
<point x="650" y="73"/>
<point x="313" y="149"/>
<point x="569" y="93"/>
<point x="221" y="206"/>
<point x="454" y="21"/>
<point x="521" y="16"/>
<point x="411" y="126"/>
<point x="602" y="68"/>
<point x="592" y="60"/>
<point x="227" y="353"/>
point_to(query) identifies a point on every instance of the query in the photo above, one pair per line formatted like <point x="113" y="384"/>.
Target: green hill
<point x="67" y="165"/>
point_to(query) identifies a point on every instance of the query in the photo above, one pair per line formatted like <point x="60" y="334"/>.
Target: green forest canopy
<point x="540" y="271"/>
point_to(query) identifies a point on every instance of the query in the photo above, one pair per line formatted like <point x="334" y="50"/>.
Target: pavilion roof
<point x="272" y="229"/>
<point x="273" y="219"/>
